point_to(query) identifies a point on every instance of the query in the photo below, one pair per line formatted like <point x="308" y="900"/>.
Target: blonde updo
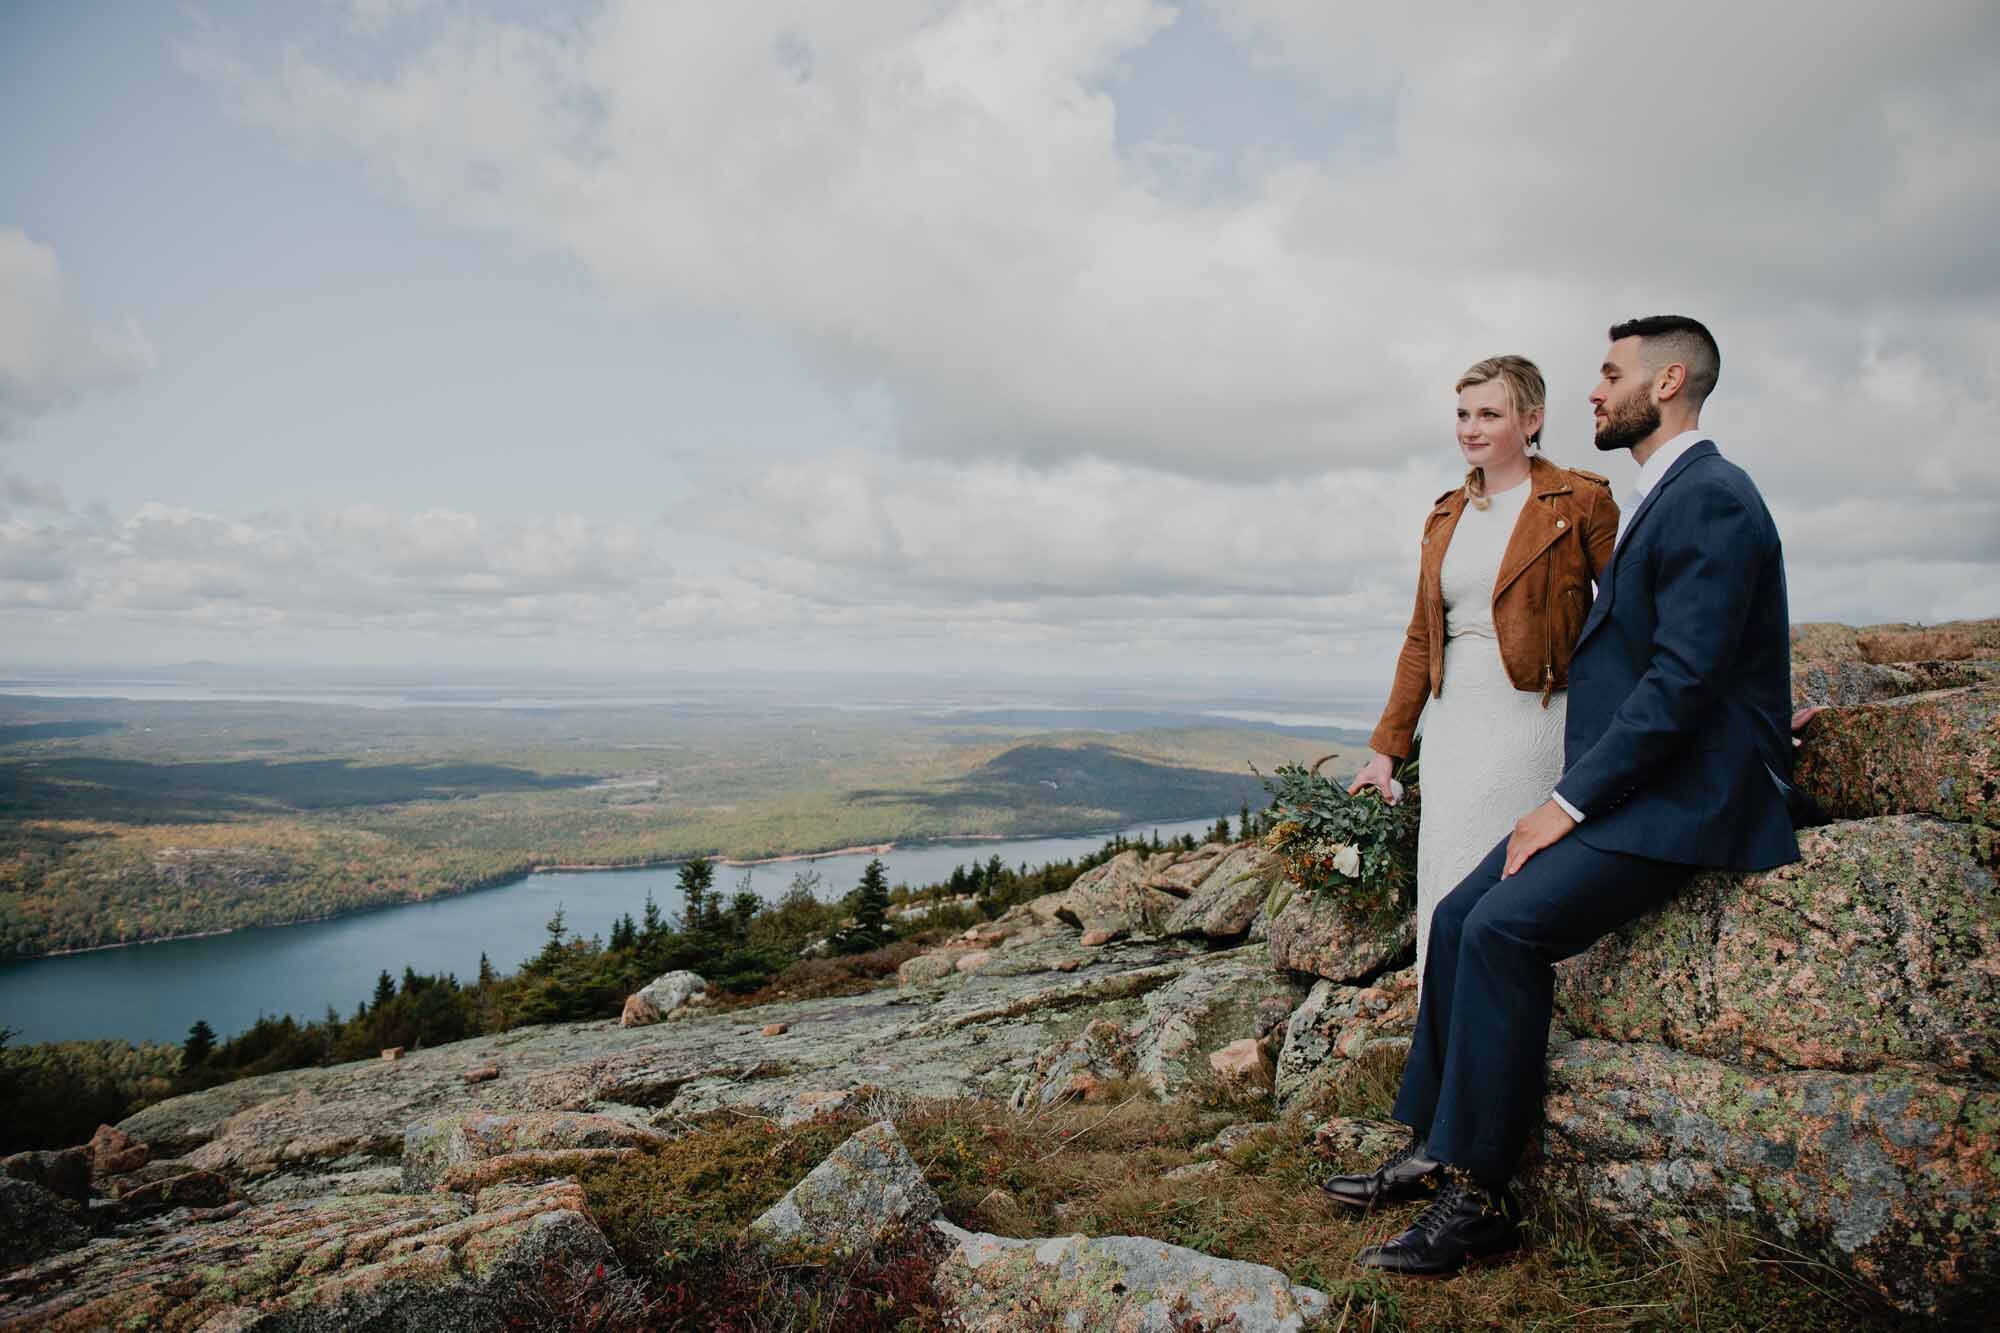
<point x="1525" y="390"/>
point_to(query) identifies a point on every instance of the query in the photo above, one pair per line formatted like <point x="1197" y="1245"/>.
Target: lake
<point x="155" y="992"/>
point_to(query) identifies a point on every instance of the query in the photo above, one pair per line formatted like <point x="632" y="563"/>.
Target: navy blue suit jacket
<point x="1679" y="722"/>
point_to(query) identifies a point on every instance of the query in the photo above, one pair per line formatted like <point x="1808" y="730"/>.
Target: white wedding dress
<point x="1491" y="753"/>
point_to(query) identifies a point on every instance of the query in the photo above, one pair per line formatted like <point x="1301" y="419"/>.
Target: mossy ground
<point x="676" y="1214"/>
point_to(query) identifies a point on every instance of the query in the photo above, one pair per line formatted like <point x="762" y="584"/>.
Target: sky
<point x="1113" y="337"/>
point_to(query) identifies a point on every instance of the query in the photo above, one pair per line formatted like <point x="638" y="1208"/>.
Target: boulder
<point x="34" y="1223"/>
<point x="1337" y="1023"/>
<point x="1221" y="998"/>
<point x="662" y="997"/>
<point x="1314" y="934"/>
<point x="1890" y="1175"/>
<point x="972" y="962"/>
<point x="868" y="1189"/>
<point x="376" y="1261"/>
<point x="64" y="1172"/>
<point x="1236" y="1135"/>
<point x="993" y="1284"/>
<point x="481" y="1074"/>
<point x="1915" y="645"/>
<point x="1936" y="753"/>
<point x="1223" y="902"/>
<point x="926" y="967"/>
<point x="113" y="1152"/>
<point x="1097" y="939"/>
<point x="1824" y="641"/>
<point x="432" y="1149"/>
<point x="1878" y="948"/>
<point x="1118" y="896"/>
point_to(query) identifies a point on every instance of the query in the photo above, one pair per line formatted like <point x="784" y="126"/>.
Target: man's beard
<point x="1628" y="423"/>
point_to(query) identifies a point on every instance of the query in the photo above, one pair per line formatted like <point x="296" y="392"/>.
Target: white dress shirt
<point x="1650" y="472"/>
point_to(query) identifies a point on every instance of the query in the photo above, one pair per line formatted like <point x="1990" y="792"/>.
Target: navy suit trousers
<point x="1473" y="1082"/>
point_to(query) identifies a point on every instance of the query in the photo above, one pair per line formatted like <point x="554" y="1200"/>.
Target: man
<point x="1677" y="756"/>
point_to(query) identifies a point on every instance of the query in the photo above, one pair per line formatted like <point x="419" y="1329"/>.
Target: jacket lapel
<point x="1600" y="609"/>
<point x="1535" y="531"/>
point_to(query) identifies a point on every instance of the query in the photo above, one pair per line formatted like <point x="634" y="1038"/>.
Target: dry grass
<point x="1100" y="1169"/>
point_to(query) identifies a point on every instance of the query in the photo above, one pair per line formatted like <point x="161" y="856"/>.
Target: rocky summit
<point x="1812" y="1053"/>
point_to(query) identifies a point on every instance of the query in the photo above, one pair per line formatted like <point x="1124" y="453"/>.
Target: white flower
<point x="1347" y="860"/>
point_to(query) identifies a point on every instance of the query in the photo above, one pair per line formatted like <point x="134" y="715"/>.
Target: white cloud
<point x="52" y="352"/>
<point x="1134" y="415"/>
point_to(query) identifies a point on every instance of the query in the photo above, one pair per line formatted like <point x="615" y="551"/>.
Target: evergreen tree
<point x="697" y="878"/>
<point x="385" y="991"/>
<point x="1243" y="825"/>
<point x="199" y="1046"/>
<point x="870" y="904"/>
<point x="651" y="923"/>
<point x="742" y="908"/>
<point x="624" y="933"/>
<point x="486" y="976"/>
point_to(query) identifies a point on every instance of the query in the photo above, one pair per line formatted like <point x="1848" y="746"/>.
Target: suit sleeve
<point x="1396" y="732"/>
<point x="1701" y="598"/>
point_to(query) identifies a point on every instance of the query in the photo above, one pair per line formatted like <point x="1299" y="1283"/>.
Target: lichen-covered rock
<point x="1126" y="1283"/>
<point x="1894" y="1176"/>
<point x="1080" y="1067"/>
<point x="34" y="1223"/>
<point x="1223" y="902"/>
<point x="1357" y="1144"/>
<point x="1219" y="999"/>
<point x="1314" y="934"/>
<point x="64" y="1172"/>
<point x="1824" y="640"/>
<point x="1335" y="1024"/>
<point x="665" y="996"/>
<point x="927" y="967"/>
<point x="424" y="1263"/>
<point x="1935" y="754"/>
<point x="432" y="1150"/>
<point x="1119" y="896"/>
<point x="188" y="1189"/>
<point x="1879" y="947"/>
<point x="1843" y="684"/>
<point x="1915" y="645"/>
<point x="866" y="1190"/>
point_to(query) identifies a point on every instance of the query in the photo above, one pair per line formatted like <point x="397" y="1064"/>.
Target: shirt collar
<point x="1665" y="457"/>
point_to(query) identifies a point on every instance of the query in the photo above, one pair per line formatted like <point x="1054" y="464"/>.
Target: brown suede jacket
<point x="1562" y="539"/>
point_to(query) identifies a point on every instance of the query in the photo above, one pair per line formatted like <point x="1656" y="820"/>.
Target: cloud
<point x="1149" y="392"/>
<point x="28" y="493"/>
<point x="52" y="353"/>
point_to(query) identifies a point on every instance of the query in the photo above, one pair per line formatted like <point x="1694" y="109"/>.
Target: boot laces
<point x="1451" y="1196"/>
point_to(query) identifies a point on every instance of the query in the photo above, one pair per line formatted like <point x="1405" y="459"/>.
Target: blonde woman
<point x="1504" y="580"/>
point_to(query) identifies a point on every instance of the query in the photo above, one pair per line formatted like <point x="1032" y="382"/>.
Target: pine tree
<point x="200" y="1045"/>
<point x="486" y="977"/>
<point x="1243" y="825"/>
<point x="385" y="991"/>
<point x="870" y="904"/>
<point x="697" y="878"/>
<point x="652" y="924"/>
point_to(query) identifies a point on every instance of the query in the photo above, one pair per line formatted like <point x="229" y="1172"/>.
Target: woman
<point x="1503" y="586"/>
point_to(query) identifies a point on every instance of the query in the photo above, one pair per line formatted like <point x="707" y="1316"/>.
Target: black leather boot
<point x="1468" y="1223"/>
<point x="1410" y="1174"/>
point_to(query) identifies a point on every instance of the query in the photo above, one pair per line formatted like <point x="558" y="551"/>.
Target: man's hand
<point x="1542" y="827"/>
<point x="1799" y="720"/>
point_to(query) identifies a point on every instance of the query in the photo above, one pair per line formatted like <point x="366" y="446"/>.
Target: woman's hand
<point x="1377" y="773"/>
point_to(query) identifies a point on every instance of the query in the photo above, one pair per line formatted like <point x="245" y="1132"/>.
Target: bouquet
<point x="1359" y="850"/>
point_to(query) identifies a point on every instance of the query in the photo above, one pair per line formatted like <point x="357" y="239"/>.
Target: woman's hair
<point x="1525" y="390"/>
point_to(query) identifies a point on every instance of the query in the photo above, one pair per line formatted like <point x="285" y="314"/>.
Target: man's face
<point x="1623" y="399"/>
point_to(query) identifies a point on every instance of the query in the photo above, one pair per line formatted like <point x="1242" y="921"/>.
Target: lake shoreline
<point x="865" y="849"/>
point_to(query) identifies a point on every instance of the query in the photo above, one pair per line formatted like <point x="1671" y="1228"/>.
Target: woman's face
<point x="1490" y="432"/>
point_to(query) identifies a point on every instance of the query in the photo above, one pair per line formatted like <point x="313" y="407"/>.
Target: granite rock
<point x="434" y="1149"/>
<point x="1936" y="753"/>
<point x="1226" y="897"/>
<point x="1132" y="1284"/>
<point x="1313" y="934"/>
<point x="1878" y="948"/>
<point x="431" y="1263"/>
<point x="34" y="1223"/>
<point x="1893" y="1176"/>
<point x="868" y="1189"/>
<point x="64" y="1172"/>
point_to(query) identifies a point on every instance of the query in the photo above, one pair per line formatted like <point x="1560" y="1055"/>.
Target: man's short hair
<point x="1670" y="338"/>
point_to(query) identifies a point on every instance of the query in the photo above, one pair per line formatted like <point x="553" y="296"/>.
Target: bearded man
<point x="1677" y="757"/>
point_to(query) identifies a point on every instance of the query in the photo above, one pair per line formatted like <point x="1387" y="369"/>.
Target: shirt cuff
<point x="1567" y="808"/>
